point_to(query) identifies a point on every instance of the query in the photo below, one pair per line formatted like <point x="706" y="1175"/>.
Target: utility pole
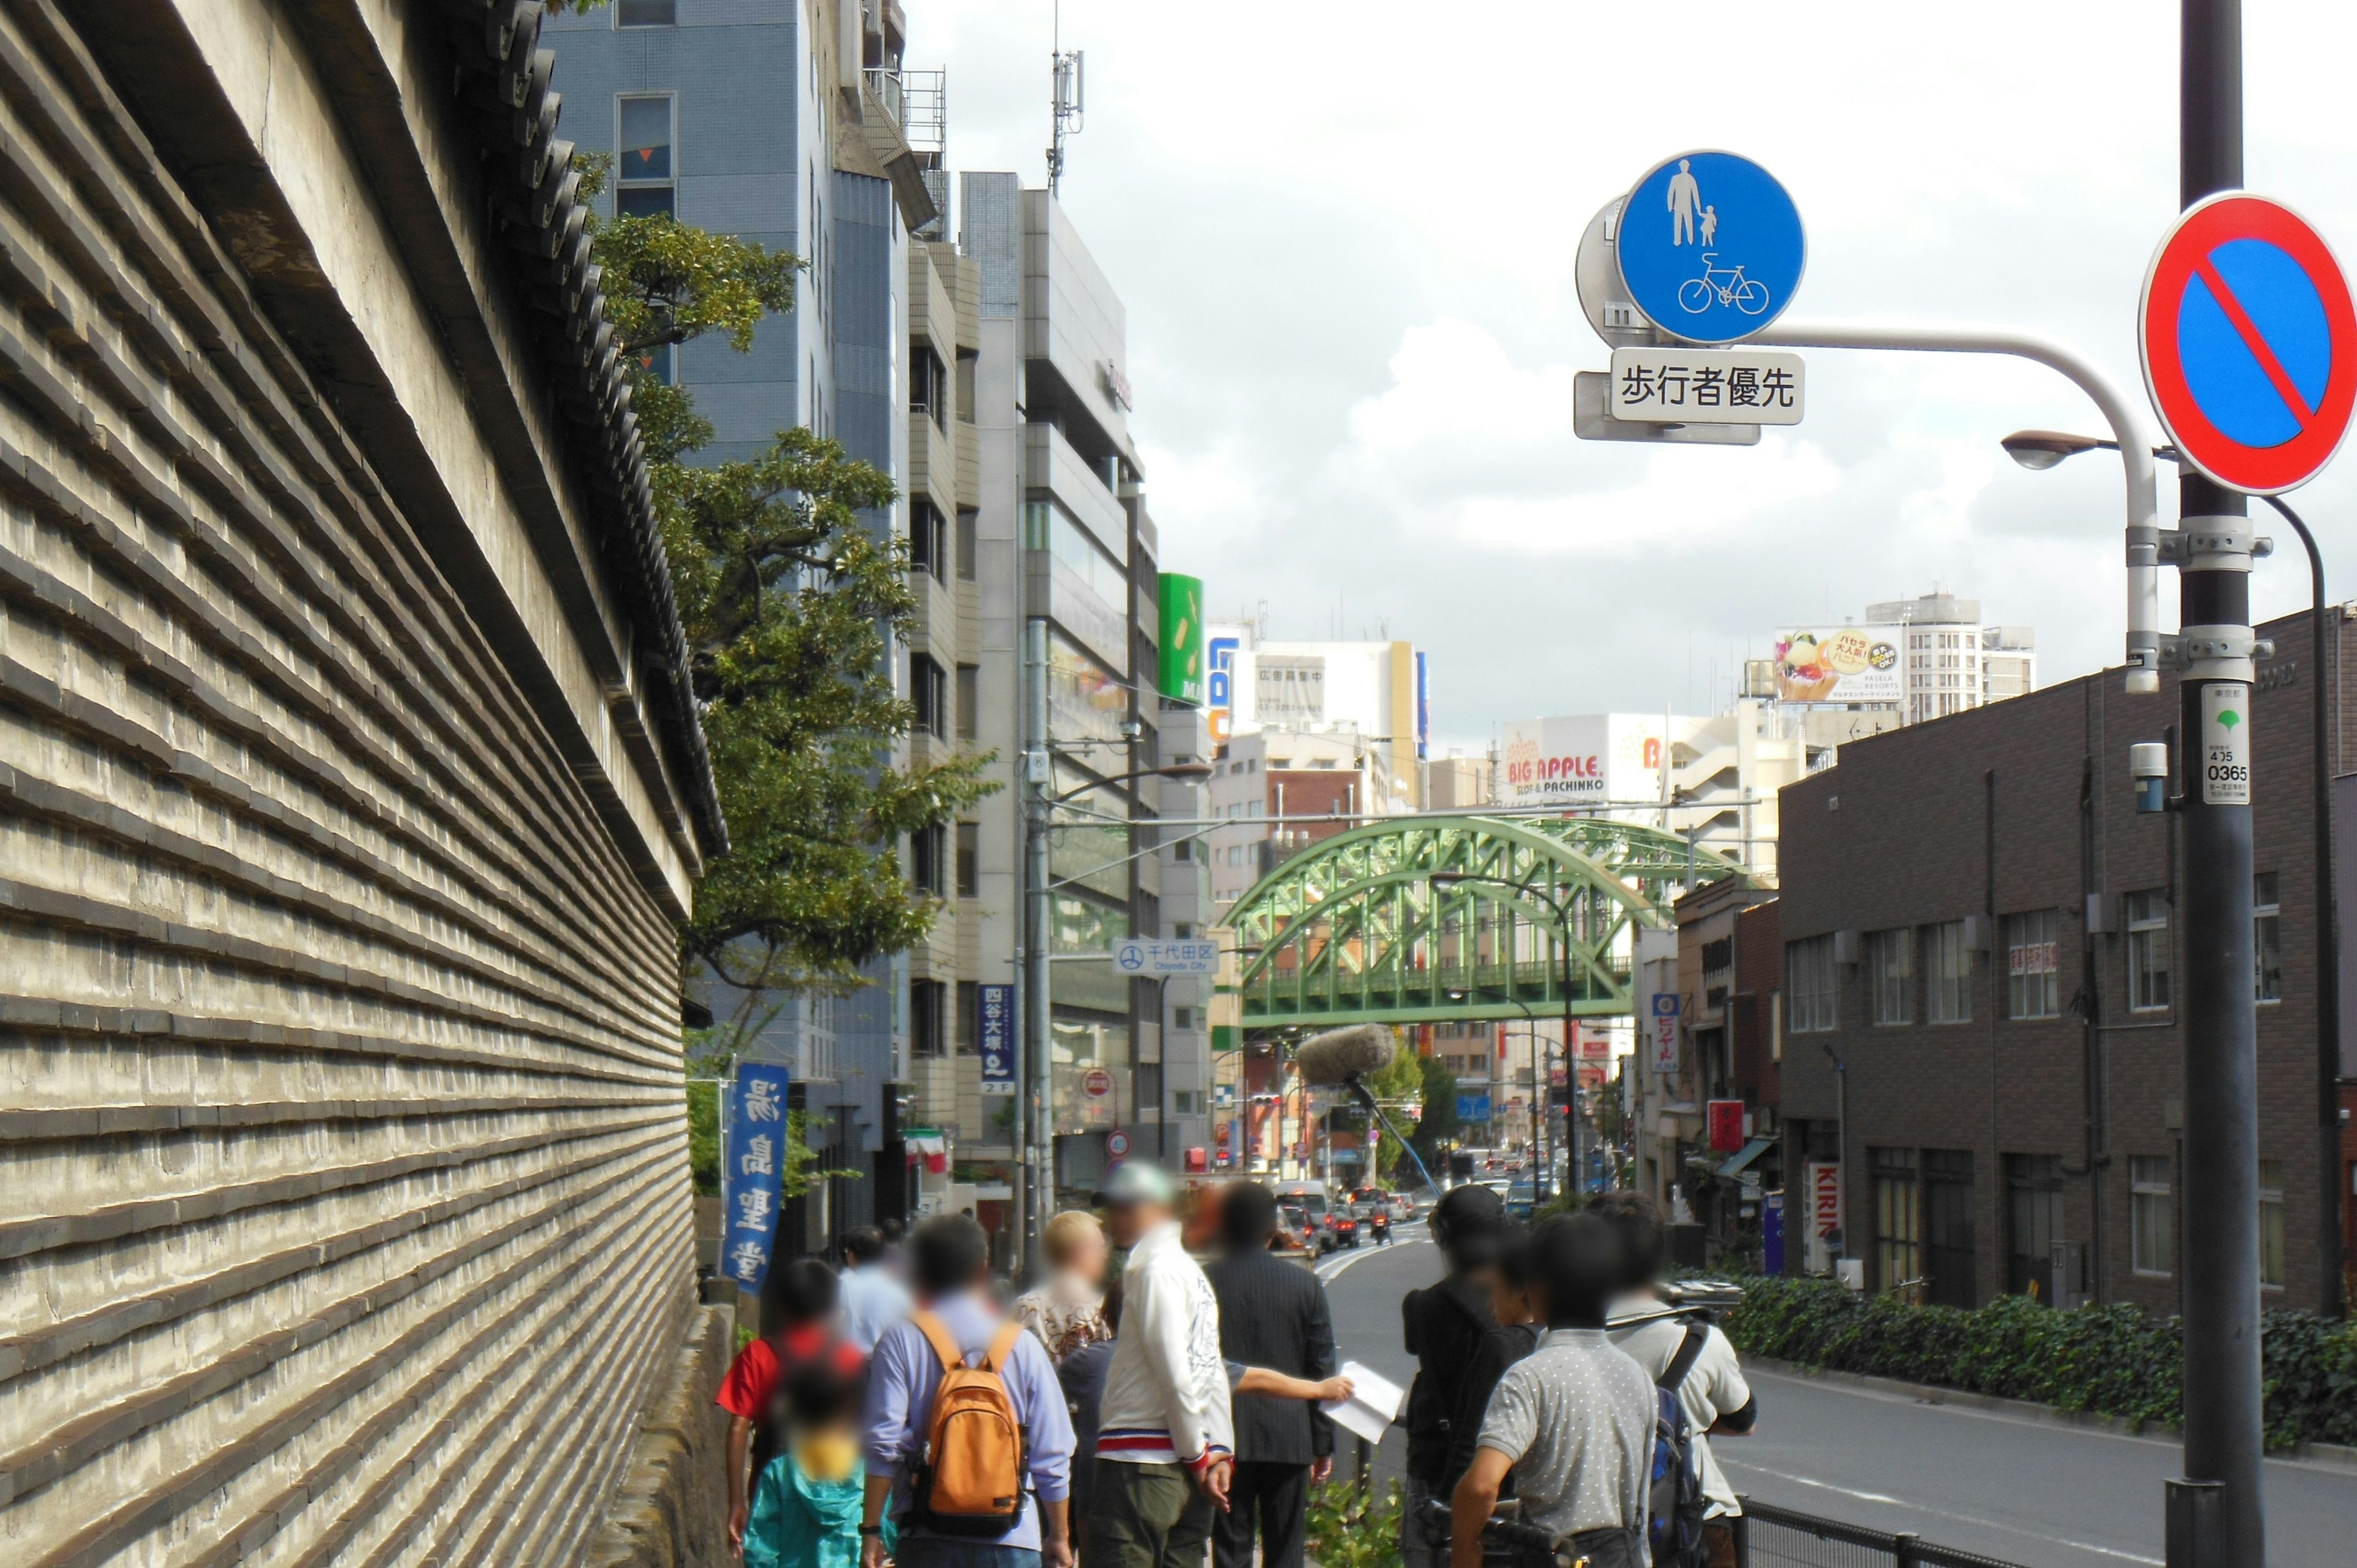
<point x="2214" y="1525"/>
<point x="1034" y="1138"/>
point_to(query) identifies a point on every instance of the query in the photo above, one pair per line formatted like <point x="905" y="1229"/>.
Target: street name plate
<point x="1707" y="386"/>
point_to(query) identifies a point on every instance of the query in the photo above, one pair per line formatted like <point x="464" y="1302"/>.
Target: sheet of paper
<point x="1373" y="1404"/>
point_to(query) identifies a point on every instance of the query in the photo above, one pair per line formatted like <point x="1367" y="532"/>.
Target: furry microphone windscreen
<point x="1334" y="1055"/>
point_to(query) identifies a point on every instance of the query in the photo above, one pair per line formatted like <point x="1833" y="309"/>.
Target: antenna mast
<point x="1069" y="89"/>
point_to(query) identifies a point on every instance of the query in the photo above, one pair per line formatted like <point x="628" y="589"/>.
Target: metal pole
<point x="1572" y="1174"/>
<point x="1033" y="1141"/>
<point x="2325" y="669"/>
<point x="2121" y="413"/>
<point x="2221" y="1263"/>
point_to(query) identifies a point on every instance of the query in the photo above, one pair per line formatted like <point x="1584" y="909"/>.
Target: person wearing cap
<point x="1446" y="1326"/>
<point x="1166" y="1444"/>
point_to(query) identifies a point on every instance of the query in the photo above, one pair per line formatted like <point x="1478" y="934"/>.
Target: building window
<point x="1948" y="975"/>
<point x="969" y="701"/>
<point x="1182" y="1018"/>
<point x="646" y="13"/>
<point x="2266" y="935"/>
<point x="2271" y="1224"/>
<point x="654" y="363"/>
<point x="928" y="541"/>
<point x="1186" y="1101"/>
<point x="928" y="386"/>
<point x="2152" y="1218"/>
<point x="928" y="692"/>
<point x="968" y="522"/>
<point x="646" y="171"/>
<point x="2147" y="922"/>
<point x="969" y="860"/>
<point x="1813" y="983"/>
<point x="1950" y="1258"/>
<point x="1184" y="850"/>
<point x="969" y="1016"/>
<point x="966" y="364"/>
<point x="1890" y="972"/>
<point x="1898" y="1220"/>
<point x="927" y="848"/>
<point x="2033" y="968"/>
<point x="926" y="1037"/>
<point x="1775" y="1026"/>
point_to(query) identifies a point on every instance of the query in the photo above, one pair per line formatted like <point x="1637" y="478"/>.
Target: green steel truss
<point x="1351" y="932"/>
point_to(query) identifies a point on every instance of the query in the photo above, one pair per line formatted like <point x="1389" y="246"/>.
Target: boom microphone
<point x="1338" y="1056"/>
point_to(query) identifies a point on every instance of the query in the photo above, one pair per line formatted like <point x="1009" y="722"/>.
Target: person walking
<point x="949" y="1260"/>
<point x="1068" y="1312"/>
<point x="873" y="1296"/>
<point x="1573" y="1420"/>
<point x="799" y="1301"/>
<point x="1513" y="1307"/>
<point x="1444" y="1325"/>
<point x="1165" y="1445"/>
<point x="1718" y="1402"/>
<point x="1273" y="1315"/>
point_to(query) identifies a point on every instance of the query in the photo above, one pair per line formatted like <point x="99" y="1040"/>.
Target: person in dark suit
<point x="1273" y="1314"/>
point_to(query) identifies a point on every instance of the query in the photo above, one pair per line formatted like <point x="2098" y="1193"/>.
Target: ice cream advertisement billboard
<point x="1592" y="760"/>
<point x="1838" y="664"/>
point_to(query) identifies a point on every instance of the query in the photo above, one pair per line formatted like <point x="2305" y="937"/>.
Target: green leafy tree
<point x="791" y="603"/>
<point x="1438" y="1124"/>
<point x="1399" y="1089"/>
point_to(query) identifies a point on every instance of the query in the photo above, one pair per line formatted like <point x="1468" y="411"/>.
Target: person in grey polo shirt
<point x="1574" y="1420"/>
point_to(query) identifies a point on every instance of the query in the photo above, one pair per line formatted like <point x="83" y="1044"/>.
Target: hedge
<point x="2111" y="1360"/>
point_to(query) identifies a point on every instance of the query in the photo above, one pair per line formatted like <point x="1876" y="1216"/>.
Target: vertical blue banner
<point x="751" y="1183"/>
<point x="995" y="1032"/>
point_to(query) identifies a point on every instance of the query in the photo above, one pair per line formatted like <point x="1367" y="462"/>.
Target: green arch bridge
<point x="1351" y="931"/>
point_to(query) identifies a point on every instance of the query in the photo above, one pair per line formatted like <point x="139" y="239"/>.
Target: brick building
<point x="1980" y="936"/>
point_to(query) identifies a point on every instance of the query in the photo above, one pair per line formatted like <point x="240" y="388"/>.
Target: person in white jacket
<point x="1166" y="1439"/>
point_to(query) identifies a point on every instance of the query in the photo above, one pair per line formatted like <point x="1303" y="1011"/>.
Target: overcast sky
<point x="1344" y="233"/>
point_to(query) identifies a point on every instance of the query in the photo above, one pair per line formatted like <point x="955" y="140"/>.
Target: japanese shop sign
<point x="1707" y="386"/>
<point x="751" y="1180"/>
<point x="995" y="1034"/>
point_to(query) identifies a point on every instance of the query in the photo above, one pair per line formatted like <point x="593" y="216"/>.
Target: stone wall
<point x="344" y="1207"/>
<point x="671" y="1509"/>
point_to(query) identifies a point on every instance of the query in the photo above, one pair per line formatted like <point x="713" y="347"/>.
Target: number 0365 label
<point x="2226" y="745"/>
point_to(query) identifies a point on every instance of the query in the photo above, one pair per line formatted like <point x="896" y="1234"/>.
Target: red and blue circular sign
<point x="2249" y="343"/>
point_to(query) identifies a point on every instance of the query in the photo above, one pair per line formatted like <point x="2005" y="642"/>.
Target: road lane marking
<point x="1890" y="1502"/>
<point x="1363" y="1251"/>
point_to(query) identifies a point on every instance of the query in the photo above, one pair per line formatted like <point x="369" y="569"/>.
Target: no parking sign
<point x="2249" y="343"/>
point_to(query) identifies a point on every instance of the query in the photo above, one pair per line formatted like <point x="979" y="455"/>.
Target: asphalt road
<point x="2015" y="1489"/>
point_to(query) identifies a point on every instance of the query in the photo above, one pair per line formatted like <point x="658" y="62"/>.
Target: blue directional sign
<point x="1710" y="247"/>
<point x="1473" y="1107"/>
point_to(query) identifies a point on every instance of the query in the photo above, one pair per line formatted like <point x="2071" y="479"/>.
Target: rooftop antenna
<point x="1071" y="91"/>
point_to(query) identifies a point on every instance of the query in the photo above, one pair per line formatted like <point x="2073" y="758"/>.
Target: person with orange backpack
<point x="969" y="1443"/>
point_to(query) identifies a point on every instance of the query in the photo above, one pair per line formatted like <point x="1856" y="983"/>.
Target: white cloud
<point x="1344" y="235"/>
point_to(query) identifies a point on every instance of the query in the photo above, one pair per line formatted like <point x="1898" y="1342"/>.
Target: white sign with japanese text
<point x="1707" y="386"/>
<point x="1166" y="957"/>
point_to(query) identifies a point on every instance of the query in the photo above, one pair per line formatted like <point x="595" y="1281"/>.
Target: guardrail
<point x="1771" y="1537"/>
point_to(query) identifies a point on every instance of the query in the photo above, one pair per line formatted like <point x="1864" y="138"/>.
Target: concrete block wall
<point x="344" y="1215"/>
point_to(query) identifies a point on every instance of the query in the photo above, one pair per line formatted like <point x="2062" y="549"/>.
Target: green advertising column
<point x="1181" y="677"/>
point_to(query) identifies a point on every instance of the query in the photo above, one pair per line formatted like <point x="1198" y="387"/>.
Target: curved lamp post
<point x="2039" y="450"/>
<point x="1543" y="1092"/>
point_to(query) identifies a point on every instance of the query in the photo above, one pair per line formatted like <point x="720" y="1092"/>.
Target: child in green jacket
<point x="806" y="1505"/>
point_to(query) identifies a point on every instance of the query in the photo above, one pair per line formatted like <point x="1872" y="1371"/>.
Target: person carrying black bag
<point x="1445" y="1328"/>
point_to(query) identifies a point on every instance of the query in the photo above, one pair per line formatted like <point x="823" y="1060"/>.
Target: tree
<point x="1400" y="1085"/>
<point x="1439" y="1124"/>
<point x="791" y="603"/>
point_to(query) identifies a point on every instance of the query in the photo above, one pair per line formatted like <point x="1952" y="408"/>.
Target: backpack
<point x="1675" y="1503"/>
<point x="969" y="1477"/>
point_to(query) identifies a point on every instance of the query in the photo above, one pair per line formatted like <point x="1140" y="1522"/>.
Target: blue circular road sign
<point x="1710" y="247"/>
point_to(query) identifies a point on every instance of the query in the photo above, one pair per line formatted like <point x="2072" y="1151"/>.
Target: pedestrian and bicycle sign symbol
<point x="2249" y="343"/>
<point x="1710" y="247"/>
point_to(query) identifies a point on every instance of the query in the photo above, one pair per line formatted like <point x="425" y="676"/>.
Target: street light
<point x="1033" y="1104"/>
<point x="2039" y="450"/>
<point x="1441" y="880"/>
